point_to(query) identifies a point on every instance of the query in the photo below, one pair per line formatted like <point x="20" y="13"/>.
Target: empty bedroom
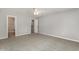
<point x="39" y="29"/>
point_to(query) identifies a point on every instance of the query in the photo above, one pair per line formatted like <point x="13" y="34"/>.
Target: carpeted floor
<point x="37" y="42"/>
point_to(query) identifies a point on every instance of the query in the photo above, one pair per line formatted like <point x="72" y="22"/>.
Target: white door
<point x="36" y="26"/>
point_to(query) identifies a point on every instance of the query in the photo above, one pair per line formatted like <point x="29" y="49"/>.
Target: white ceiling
<point x="41" y="11"/>
<point x="25" y="11"/>
<point x="47" y="11"/>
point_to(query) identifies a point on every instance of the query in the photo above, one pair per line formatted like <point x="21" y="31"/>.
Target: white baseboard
<point x="22" y="34"/>
<point x="3" y="37"/>
<point x="61" y="37"/>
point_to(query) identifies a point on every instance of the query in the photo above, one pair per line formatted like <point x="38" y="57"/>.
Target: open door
<point x="11" y="27"/>
<point x="34" y="26"/>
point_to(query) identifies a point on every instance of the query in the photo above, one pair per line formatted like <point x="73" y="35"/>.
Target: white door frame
<point x="36" y="25"/>
<point x="14" y="22"/>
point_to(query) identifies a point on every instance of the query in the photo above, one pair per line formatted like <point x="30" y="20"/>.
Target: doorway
<point x="32" y="26"/>
<point x="11" y="27"/>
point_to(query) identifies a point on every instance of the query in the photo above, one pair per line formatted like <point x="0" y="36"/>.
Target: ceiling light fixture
<point x="35" y="11"/>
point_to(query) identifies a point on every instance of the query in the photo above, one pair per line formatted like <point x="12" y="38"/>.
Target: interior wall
<point x="63" y="24"/>
<point x="3" y="26"/>
<point x="22" y="23"/>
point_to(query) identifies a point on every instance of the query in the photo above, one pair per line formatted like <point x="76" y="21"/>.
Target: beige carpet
<point x="37" y="42"/>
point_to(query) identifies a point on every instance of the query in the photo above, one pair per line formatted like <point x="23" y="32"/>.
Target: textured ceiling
<point x="47" y="11"/>
<point x="41" y="11"/>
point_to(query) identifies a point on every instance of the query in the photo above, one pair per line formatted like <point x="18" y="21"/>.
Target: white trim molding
<point x="61" y="37"/>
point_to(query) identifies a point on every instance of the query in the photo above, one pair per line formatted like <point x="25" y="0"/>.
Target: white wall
<point x="22" y="23"/>
<point x="63" y="24"/>
<point x="3" y="26"/>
